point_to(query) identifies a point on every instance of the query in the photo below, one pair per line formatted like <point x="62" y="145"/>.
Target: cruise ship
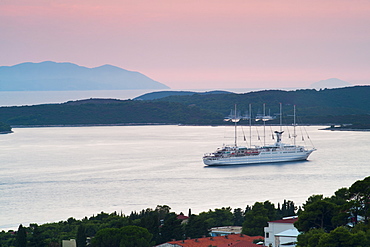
<point x="241" y="155"/>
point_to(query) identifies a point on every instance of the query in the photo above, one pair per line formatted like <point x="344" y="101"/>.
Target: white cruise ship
<point x="241" y="155"/>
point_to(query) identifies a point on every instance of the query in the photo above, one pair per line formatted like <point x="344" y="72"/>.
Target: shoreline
<point x="6" y="132"/>
<point x="134" y="124"/>
<point x="158" y="124"/>
<point x="345" y="129"/>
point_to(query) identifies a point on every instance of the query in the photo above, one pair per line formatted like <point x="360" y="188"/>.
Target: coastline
<point x="134" y="124"/>
<point x="345" y="129"/>
<point x="6" y="132"/>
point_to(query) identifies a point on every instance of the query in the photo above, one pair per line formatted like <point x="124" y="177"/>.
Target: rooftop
<point x="238" y="240"/>
<point x="287" y="220"/>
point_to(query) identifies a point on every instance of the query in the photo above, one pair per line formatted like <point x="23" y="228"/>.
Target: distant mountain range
<point x="330" y="83"/>
<point x="52" y="76"/>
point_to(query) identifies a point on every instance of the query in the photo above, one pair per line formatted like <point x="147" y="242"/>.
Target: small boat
<point x="241" y="155"/>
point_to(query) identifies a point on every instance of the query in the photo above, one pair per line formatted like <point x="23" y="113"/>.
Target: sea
<point x="53" y="173"/>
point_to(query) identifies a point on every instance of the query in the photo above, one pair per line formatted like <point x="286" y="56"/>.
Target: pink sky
<point x="196" y="44"/>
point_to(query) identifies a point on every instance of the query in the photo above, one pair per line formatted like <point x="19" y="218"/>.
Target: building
<point x="225" y="230"/>
<point x="184" y="219"/>
<point x="281" y="232"/>
<point x="69" y="243"/>
<point x="237" y="240"/>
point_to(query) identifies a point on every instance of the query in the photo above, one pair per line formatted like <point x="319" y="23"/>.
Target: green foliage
<point x="108" y="237"/>
<point x="318" y="214"/>
<point x="7" y="238"/>
<point x="127" y="236"/>
<point x="340" y="236"/>
<point x="21" y="237"/>
<point x="238" y="217"/>
<point x="81" y="236"/>
<point x="5" y="128"/>
<point x="359" y="193"/>
<point x="258" y="216"/>
<point x="287" y="209"/>
<point x="36" y="238"/>
<point x="218" y="217"/>
<point x="116" y="112"/>
<point x="171" y="228"/>
<point x="341" y="220"/>
<point x="255" y="220"/>
<point x="196" y="227"/>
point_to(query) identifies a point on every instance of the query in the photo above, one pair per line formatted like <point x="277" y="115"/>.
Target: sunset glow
<point x="196" y="43"/>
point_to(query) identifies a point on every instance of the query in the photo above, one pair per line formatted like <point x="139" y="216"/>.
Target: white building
<point x="69" y="243"/>
<point x="281" y="232"/>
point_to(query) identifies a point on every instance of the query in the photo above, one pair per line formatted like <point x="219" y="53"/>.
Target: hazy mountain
<point x="52" y="76"/>
<point x="330" y="83"/>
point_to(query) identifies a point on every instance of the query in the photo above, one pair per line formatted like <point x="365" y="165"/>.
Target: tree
<point x="81" y="236"/>
<point x="317" y="214"/>
<point x="21" y="237"/>
<point x="135" y="236"/>
<point x="271" y="211"/>
<point x="196" y="227"/>
<point x="338" y="237"/>
<point x="287" y="209"/>
<point x="219" y="217"/>
<point x="171" y="229"/>
<point x="238" y="217"/>
<point x="255" y="220"/>
<point x="162" y="211"/>
<point x="108" y="237"/>
<point x="360" y="199"/>
<point x="36" y="239"/>
<point x="310" y="238"/>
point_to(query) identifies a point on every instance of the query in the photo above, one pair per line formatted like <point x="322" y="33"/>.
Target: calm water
<point x="51" y="174"/>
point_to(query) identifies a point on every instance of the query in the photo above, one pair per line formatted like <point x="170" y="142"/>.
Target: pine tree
<point x="81" y="236"/>
<point x="21" y="237"/>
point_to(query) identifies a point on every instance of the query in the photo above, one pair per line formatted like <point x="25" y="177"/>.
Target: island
<point x="5" y="128"/>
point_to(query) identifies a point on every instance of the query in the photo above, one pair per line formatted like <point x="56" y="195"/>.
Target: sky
<point x="196" y="44"/>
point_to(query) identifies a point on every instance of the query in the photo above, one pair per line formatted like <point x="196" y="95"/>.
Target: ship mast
<point x="294" y="124"/>
<point x="281" y="117"/>
<point x="264" y="124"/>
<point x="250" y="125"/>
<point x="235" y="134"/>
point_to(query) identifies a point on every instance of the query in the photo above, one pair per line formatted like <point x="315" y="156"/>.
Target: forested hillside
<point x="103" y="112"/>
<point x="310" y="102"/>
<point x="341" y="106"/>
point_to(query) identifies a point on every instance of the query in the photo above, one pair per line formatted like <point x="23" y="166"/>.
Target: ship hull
<point x="265" y="157"/>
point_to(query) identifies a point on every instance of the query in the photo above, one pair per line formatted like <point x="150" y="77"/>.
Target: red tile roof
<point x="289" y="220"/>
<point x="241" y="244"/>
<point x="221" y="241"/>
<point x="182" y="217"/>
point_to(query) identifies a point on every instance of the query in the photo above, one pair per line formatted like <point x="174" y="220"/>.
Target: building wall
<point x="275" y="228"/>
<point x="69" y="243"/>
